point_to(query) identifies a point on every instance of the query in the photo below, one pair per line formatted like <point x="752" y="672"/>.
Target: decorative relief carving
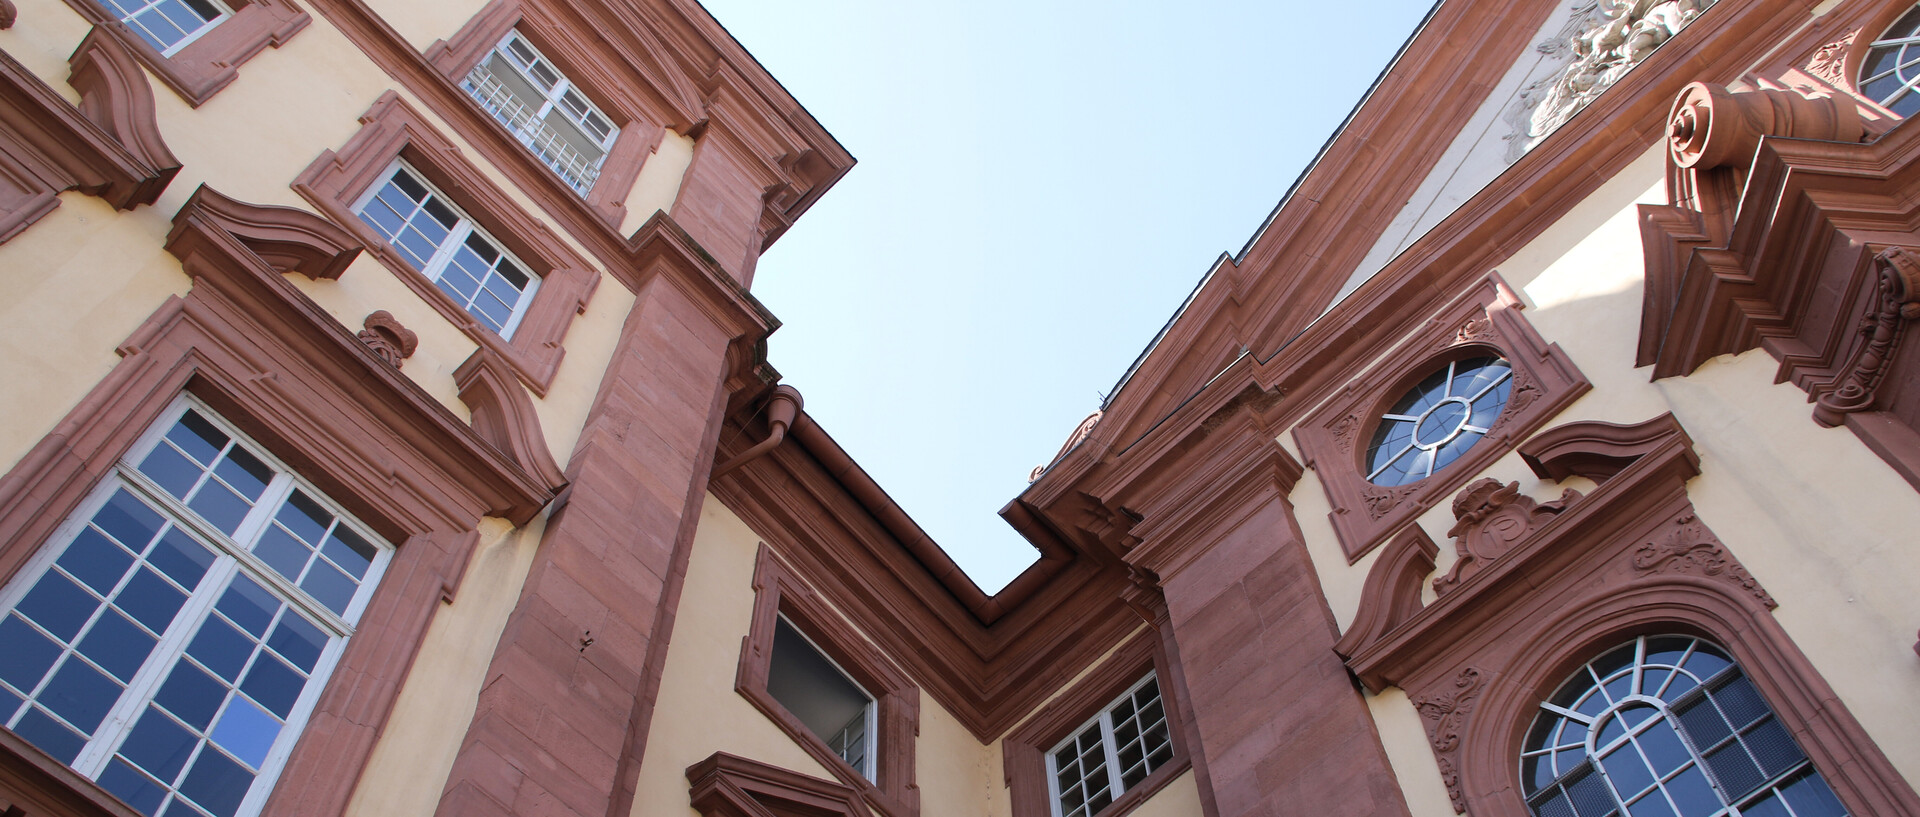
<point x="1829" y="61"/>
<point x="7" y="14"/>
<point x="1895" y="303"/>
<point x="1608" y="38"/>
<point x="388" y="339"/>
<point x="1345" y="430"/>
<point x="1380" y="501"/>
<point x="1474" y="329"/>
<point x="1446" y="716"/>
<point x="1491" y="519"/>
<point x="1688" y="547"/>
<point x="1080" y="433"/>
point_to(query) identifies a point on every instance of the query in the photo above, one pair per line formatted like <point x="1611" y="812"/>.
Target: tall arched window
<point x="1666" y="726"/>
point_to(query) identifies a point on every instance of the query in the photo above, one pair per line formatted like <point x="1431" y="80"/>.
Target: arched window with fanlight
<point x="1666" y="726"/>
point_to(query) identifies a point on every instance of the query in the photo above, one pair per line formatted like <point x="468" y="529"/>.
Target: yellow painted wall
<point x="409" y="766"/>
<point x="658" y="184"/>
<point x="698" y="712"/>
<point x="84" y="277"/>
<point x="1814" y="514"/>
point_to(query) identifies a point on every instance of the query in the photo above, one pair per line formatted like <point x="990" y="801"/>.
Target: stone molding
<point x="35" y="785"/>
<point x="1801" y="252"/>
<point x="110" y="146"/>
<point x="1023" y="752"/>
<point x="725" y="785"/>
<point x="393" y="129"/>
<point x="1391" y="594"/>
<point x="777" y="592"/>
<point x="637" y="115"/>
<point x="674" y="55"/>
<point x="249" y="344"/>
<point x="1628" y="559"/>
<point x="283" y="238"/>
<point x="504" y="415"/>
<point x="212" y="61"/>
<point x="1485" y="319"/>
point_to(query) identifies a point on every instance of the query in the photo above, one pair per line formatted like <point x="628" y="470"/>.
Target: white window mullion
<point x="145" y="684"/>
<point x="1111" y="748"/>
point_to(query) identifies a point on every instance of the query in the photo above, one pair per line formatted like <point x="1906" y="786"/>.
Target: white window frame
<point x="225" y="13"/>
<point x="1116" y="786"/>
<point x="529" y="123"/>
<point x="231" y="556"/>
<point x="871" y="741"/>
<point x="442" y="257"/>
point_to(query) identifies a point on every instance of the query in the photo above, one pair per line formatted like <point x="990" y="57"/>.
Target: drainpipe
<point x="782" y="407"/>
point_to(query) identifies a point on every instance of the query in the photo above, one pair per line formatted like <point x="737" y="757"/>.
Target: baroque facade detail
<point x="1604" y="39"/>
<point x="1492" y="518"/>
<point x="1894" y="305"/>
<point x="1829" y="62"/>
<point x="1445" y="714"/>
<point x="1688" y="547"/>
<point x="389" y="340"/>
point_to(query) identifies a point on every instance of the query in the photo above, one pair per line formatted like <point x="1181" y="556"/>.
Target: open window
<point x="823" y="683"/>
<point x="819" y="693"/>
<point x="543" y="109"/>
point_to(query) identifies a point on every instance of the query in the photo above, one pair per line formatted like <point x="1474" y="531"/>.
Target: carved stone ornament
<point x="1345" y="430"/>
<point x="1829" y="62"/>
<point x="1688" y="547"/>
<point x="1381" y="501"/>
<point x="1711" y="126"/>
<point x="1895" y="303"/>
<point x="1474" y="329"/>
<point x="388" y="339"/>
<point x="1446" y="715"/>
<point x="1079" y="435"/>
<point x="1491" y="519"/>
<point x="1605" y="39"/>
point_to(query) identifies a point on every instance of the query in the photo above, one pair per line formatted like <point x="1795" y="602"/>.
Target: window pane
<point x="133" y="787"/>
<point x="50" y="736"/>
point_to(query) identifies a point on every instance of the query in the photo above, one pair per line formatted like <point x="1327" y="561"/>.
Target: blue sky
<point x="1040" y="185"/>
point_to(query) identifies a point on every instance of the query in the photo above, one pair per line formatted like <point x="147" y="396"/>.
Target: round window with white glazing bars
<point x="1890" y="72"/>
<point x="1666" y="726"/>
<point x="1438" y="420"/>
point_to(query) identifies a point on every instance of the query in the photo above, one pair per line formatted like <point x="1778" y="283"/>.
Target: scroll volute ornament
<point x="1711" y="126"/>
<point x="1895" y="303"/>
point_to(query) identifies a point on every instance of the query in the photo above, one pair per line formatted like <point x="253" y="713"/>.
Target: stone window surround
<point x="778" y="592"/>
<point x="212" y="61"/>
<point x="1024" y="750"/>
<point x="639" y="136"/>
<point x="247" y="343"/>
<point x="1628" y="559"/>
<point x="1485" y="319"/>
<point x="336" y="181"/>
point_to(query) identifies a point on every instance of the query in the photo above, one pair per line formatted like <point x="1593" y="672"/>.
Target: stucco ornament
<point x="1609" y="38"/>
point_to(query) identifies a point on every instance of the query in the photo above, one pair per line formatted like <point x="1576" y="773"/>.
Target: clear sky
<point x="1040" y="185"/>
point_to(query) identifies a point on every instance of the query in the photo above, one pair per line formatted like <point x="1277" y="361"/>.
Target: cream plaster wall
<point x="1404" y="736"/>
<point x="697" y="712"/>
<point x="658" y="184"/>
<point x="1810" y="511"/>
<point x="110" y="265"/>
<point x="74" y="292"/>
<point x="84" y="277"/>
<point x="423" y="23"/>
<point x="410" y="764"/>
